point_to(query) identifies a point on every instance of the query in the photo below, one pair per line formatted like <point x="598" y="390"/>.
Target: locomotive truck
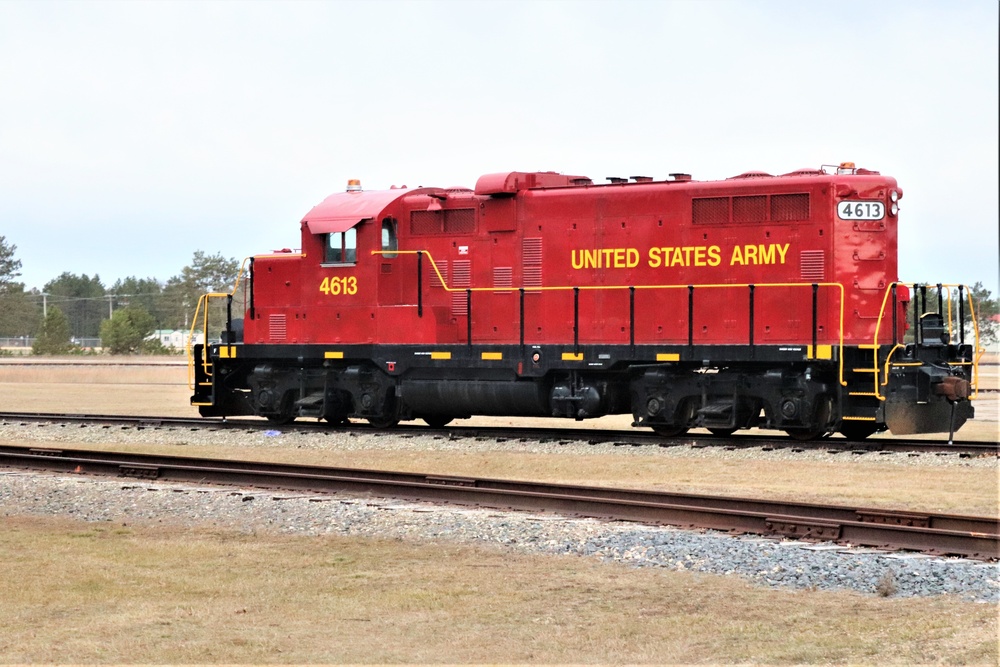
<point x="755" y="301"/>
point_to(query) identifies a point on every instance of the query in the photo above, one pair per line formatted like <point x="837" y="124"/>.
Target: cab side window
<point x="390" y="244"/>
<point x="341" y="247"/>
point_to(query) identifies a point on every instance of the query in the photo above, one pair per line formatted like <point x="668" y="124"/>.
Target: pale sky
<point x="135" y="133"/>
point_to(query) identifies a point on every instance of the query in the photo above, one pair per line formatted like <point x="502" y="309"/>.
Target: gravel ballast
<point x="768" y="562"/>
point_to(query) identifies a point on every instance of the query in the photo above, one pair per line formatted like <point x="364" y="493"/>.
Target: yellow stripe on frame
<point x="441" y="355"/>
<point x="227" y="352"/>
<point x="822" y="352"/>
<point x="492" y="356"/>
<point x="333" y="355"/>
<point x="668" y="356"/>
<point x="572" y="356"/>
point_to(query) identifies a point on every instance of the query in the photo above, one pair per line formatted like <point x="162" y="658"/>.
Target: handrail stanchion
<point x="690" y="315"/>
<point x="521" y="292"/>
<point x="815" y="317"/>
<point x="420" y="283"/>
<point x="895" y="314"/>
<point x="631" y="318"/>
<point x="961" y="317"/>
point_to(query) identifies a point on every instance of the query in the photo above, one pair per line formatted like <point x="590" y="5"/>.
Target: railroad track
<point x="943" y="534"/>
<point x="634" y="438"/>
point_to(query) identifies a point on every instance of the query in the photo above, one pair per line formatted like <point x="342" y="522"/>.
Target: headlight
<point x="894" y="195"/>
<point x="894" y="209"/>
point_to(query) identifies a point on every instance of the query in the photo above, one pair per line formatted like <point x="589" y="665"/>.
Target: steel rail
<point x="554" y="434"/>
<point x="969" y="536"/>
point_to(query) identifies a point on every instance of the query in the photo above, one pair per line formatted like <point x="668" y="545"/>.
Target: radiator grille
<point x="710" y="210"/>
<point x="276" y="327"/>
<point x="425" y="222"/>
<point x="750" y="209"/>
<point x="454" y="221"/>
<point x="789" y="207"/>
<point x="812" y="265"/>
<point x="460" y="221"/>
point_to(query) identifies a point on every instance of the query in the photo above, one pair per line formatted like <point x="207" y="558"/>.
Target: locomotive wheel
<point x="437" y="421"/>
<point x="669" y="431"/>
<point x="722" y="432"/>
<point x="818" y="427"/>
<point x="857" y="430"/>
<point x="383" y="422"/>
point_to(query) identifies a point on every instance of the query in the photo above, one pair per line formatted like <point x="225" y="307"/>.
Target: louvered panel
<point x="276" y="327"/>
<point x="531" y="262"/>
<point x="532" y="278"/>
<point x="443" y="268"/>
<point x="812" y="265"/>
<point x="503" y="276"/>
<point x="531" y="251"/>
<point x="461" y="277"/>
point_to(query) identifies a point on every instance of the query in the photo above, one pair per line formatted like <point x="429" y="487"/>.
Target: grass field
<point x="99" y="593"/>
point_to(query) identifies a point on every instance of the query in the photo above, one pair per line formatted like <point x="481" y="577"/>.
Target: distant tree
<point x="127" y="332"/>
<point x="19" y="316"/>
<point x="20" y="312"/>
<point x="83" y="301"/>
<point x="10" y="268"/>
<point x="145" y="293"/>
<point x="207" y="273"/>
<point x="53" y="337"/>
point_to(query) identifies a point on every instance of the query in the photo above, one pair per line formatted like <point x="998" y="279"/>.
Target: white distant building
<point x="177" y="339"/>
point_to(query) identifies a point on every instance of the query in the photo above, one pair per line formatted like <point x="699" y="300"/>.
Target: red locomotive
<point x="756" y="301"/>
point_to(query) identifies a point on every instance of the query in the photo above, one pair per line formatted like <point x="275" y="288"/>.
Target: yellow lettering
<point x="654" y="258"/>
<point x="766" y="254"/>
<point x="575" y="263"/>
<point x="737" y="257"/>
<point x="781" y="251"/>
<point x="633" y="258"/>
<point x="678" y="257"/>
<point x="699" y="256"/>
<point x="714" y="255"/>
<point x="619" y="258"/>
<point x="749" y="250"/>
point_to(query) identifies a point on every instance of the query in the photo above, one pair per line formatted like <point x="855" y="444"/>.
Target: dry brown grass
<point x="76" y="593"/>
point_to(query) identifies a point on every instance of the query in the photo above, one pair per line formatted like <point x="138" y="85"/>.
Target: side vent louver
<point x="812" y="265"/>
<point x="276" y="328"/>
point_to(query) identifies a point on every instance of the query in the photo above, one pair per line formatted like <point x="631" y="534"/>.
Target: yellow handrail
<point x="444" y="284"/>
<point x="205" y="299"/>
<point x="977" y="355"/>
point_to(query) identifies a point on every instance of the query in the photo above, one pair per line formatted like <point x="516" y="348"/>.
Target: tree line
<point x="72" y="307"/>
